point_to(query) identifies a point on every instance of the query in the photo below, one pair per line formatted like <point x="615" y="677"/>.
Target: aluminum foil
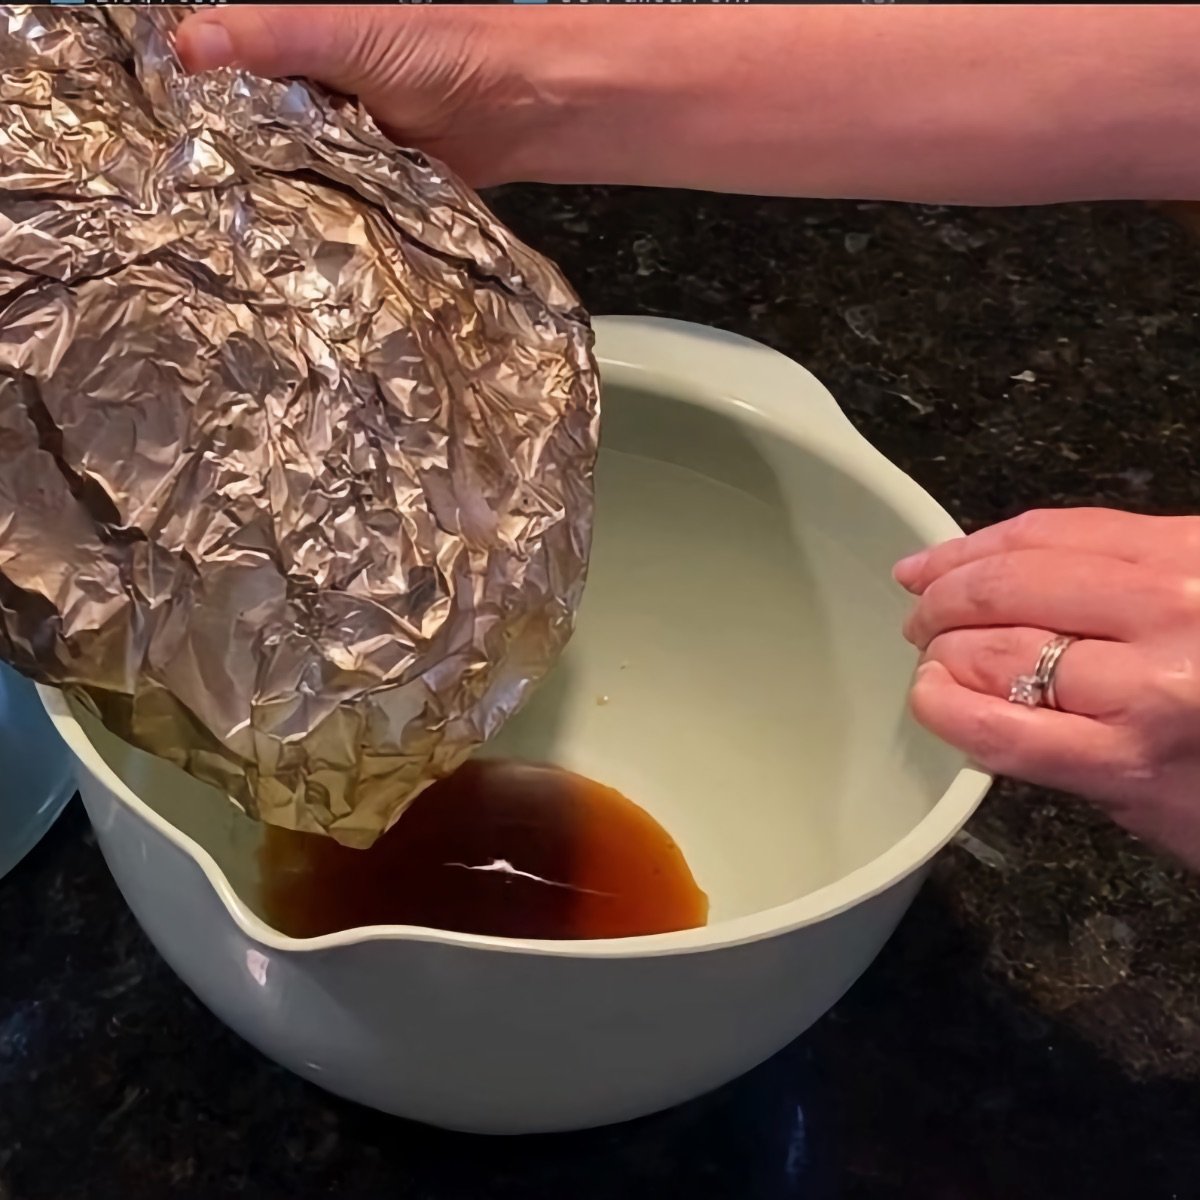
<point x="296" y="440"/>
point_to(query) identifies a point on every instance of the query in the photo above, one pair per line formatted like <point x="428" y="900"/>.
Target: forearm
<point x="973" y="105"/>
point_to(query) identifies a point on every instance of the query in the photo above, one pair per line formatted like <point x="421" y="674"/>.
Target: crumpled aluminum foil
<point x="296" y="440"/>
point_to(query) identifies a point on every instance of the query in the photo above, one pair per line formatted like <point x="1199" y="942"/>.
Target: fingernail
<point x="206" y="45"/>
<point x="908" y="570"/>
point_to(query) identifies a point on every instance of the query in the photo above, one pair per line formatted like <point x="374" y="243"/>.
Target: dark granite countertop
<point x="1032" y="1032"/>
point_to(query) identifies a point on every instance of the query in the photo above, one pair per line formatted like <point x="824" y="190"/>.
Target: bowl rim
<point x="727" y="373"/>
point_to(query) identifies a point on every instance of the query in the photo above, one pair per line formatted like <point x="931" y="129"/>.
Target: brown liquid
<point x="505" y="849"/>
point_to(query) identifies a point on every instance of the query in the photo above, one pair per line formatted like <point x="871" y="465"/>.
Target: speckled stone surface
<point x="1032" y="1032"/>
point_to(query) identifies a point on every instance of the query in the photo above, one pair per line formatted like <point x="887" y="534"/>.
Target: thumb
<point x="322" y="43"/>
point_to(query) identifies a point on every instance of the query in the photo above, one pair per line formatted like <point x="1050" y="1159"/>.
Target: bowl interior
<point x="38" y="780"/>
<point x="738" y="668"/>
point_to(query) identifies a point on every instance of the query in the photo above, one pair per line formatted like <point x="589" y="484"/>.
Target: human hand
<point x="1127" y="731"/>
<point x="455" y="82"/>
<point x="835" y="100"/>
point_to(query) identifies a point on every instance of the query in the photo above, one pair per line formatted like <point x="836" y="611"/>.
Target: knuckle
<point x="979" y="659"/>
<point x="1178" y="599"/>
<point x="262" y="29"/>
<point x="1167" y="707"/>
<point x="940" y="559"/>
<point x="999" y="653"/>
<point x="987" y="585"/>
<point x="923" y="622"/>
<point x="1032" y="527"/>
<point x="1176" y="688"/>
<point x="359" y="43"/>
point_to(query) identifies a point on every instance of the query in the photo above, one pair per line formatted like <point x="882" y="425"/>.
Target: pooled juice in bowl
<point x="500" y="849"/>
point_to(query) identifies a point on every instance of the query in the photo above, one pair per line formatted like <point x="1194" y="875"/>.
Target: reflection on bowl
<point x="741" y="626"/>
<point x="38" y="779"/>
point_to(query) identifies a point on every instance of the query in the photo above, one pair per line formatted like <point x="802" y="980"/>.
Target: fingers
<point x="1093" y="679"/>
<point x="1051" y="749"/>
<point x="321" y="42"/>
<point x="1079" y="594"/>
<point x="1099" y="531"/>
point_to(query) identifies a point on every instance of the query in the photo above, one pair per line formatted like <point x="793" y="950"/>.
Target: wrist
<point x="961" y="105"/>
<point x="596" y="108"/>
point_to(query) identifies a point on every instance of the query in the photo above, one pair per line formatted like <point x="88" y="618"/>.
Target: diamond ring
<point x="1038" y="689"/>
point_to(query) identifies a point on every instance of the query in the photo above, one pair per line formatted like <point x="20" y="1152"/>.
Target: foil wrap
<point x="296" y="440"/>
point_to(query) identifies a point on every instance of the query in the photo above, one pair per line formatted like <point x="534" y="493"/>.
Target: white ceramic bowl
<point x="741" y="621"/>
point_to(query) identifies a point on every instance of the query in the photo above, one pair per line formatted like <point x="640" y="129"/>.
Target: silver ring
<point x="1038" y="689"/>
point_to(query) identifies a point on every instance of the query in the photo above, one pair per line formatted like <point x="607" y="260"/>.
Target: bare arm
<point x="974" y="105"/>
<point x="978" y="105"/>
